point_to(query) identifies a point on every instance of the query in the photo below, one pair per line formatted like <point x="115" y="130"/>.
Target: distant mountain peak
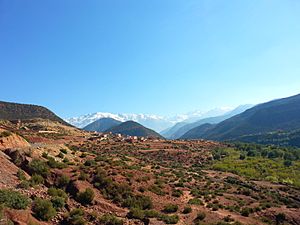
<point x="155" y="122"/>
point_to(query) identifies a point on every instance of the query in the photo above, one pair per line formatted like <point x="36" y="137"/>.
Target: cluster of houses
<point x="116" y="137"/>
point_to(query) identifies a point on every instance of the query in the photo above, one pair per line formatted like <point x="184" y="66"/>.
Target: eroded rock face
<point x="17" y="156"/>
<point x="21" y="217"/>
<point x="11" y="140"/>
<point x="8" y="171"/>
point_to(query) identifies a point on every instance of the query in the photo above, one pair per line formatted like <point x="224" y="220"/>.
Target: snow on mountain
<point x="155" y="122"/>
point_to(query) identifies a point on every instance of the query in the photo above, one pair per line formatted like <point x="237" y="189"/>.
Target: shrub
<point x="58" y="202"/>
<point x="195" y="201"/>
<point x="24" y="184"/>
<point x="108" y="219"/>
<point x="170" y="208"/>
<point x="136" y="214"/>
<point x="21" y="175"/>
<point x="177" y="193"/>
<point x="83" y="176"/>
<point x="245" y="212"/>
<point x="173" y="219"/>
<point x="57" y="192"/>
<point x="90" y="163"/>
<point x="43" y="209"/>
<point x="187" y="210"/>
<point x="54" y="164"/>
<point x="64" y="151"/>
<point x="39" y="167"/>
<point x="280" y="218"/>
<point x="151" y="213"/>
<point x="63" y="181"/>
<point x="36" y="179"/>
<point x="86" y="197"/>
<point x="200" y="216"/>
<point x="5" y="134"/>
<point x="138" y="201"/>
<point x="75" y="217"/>
<point x="13" y="199"/>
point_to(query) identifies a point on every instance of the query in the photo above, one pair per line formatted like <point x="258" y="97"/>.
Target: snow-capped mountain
<point x="155" y="122"/>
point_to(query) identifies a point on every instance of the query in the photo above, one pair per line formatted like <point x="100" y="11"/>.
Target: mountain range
<point x="155" y="122"/>
<point x="181" y="128"/>
<point x="263" y="120"/>
<point x="275" y="122"/>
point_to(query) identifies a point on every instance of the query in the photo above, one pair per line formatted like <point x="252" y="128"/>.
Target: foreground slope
<point x="134" y="129"/>
<point x="277" y="115"/>
<point x="69" y="176"/>
<point x="102" y="124"/>
<point x="16" y="111"/>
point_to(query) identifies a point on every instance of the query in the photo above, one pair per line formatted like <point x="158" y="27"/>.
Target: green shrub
<point x="13" y="199"/>
<point x="36" y="179"/>
<point x="58" y="202"/>
<point x="86" y="197"/>
<point x="56" y="192"/>
<point x="75" y="217"/>
<point x="39" y="167"/>
<point x="245" y="212"/>
<point x="173" y="219"/>
<point x="177" y="193"/>
<point x="195" y="201"/>
<point x="83" y="176"/>
<point x="280" y="218"/>
<point x="187" y="210"/>
<point x="136" y="214"/>
<point x="62" y="181"/>
<point x="138" y="201"/>
<point x="64" y="151"/>
<point x="21" y="175"/>
<point x="200" y="216"/>
<point x="108" y="219"/>
<point x="24" y="184"/>
<point x="43" y="209"/>
<point x="5" y="134"/>
<point x="151" y="213"/>
<point x="170" y="208"/>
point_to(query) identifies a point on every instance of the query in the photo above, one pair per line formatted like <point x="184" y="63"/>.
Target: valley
<point x="70" y="176"/>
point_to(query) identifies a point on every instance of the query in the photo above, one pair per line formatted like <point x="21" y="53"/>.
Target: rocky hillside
<point x="16" y="111"/>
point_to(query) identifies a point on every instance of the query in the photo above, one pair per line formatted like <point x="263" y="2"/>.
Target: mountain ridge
<point x="16" y="111"/>
<point x="276" y="115"/>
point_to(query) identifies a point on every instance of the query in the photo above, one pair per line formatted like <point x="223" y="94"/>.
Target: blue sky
<point x="160" y="56"/>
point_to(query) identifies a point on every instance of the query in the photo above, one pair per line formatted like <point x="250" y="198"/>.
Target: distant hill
<point x="102" y="124"/>
<point x="180" y="129"/>
<point x="169" y="133"/>
<point x="198" y="132"/>
<point x="277" y="115"/>
<point x="134" y="129"/>
<point x="15" y="111"/>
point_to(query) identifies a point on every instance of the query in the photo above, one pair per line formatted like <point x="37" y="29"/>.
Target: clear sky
<point x="148" y="56"/>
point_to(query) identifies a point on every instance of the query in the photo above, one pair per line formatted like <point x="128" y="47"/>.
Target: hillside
<point x="16" y="111"/>
<point x="198" y="132"/>
<point x="133" y="129"/>
<point x="102" y="124"/>
<point x="178" y="131"/>
<point x="277" y="115"/>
